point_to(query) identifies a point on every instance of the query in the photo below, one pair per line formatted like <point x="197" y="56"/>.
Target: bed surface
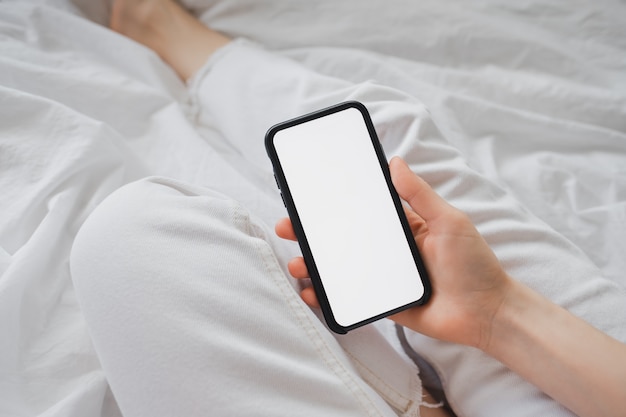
<point x="533" y="94"/>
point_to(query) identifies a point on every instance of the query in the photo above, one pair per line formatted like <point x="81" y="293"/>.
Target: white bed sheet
<point x="532" y="94"/>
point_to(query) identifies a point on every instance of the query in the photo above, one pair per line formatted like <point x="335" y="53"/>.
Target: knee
<point x="139" y="225"/>
<point x="106" y="237"/>
<point x="147" y="232"/>
<point x="157" y="245"/>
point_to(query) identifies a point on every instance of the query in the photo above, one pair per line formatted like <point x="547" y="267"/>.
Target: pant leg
<point x="244" y="90"/>
<point x="191" y="315"/>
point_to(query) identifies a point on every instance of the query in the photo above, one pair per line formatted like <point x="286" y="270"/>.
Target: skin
<point x="452" y="247"/>
<point x="474" y="301"/>
<point x="164" y="26"/>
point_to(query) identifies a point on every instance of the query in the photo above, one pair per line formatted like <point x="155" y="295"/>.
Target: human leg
<point x="190" y="313"/>
<point x="248" y="84"/>
<point x="532" y="252"/>
<point x="163" y="26"/>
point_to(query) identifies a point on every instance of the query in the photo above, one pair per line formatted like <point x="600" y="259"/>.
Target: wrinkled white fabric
<point x="529" y="250"/>
<point x="405" y="129"/>
<point x="190" y="313"/>
<point x="530" y="95"/>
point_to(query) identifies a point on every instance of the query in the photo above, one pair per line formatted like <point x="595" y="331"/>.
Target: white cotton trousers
<point x="191" y="312"/>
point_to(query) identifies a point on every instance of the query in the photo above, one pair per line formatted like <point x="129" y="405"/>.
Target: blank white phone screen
<point x="348" y="216"/>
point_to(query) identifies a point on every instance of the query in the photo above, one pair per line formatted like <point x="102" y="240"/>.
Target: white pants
<point x="191" y="312"/>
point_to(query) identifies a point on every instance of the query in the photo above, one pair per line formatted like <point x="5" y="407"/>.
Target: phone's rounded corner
<point x="353" y="103"/>
<point x="356" y="105"/>
<point x="329" y="317"/>
<point x="336" y="328"/>
<point x="428" y="292"/>
<point x="427" y="287"/>
<point x="269" y="138"/>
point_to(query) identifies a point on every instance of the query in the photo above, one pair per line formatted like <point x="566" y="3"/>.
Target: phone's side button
<point x="276" y="179"/>
<point x="283" y="198"/>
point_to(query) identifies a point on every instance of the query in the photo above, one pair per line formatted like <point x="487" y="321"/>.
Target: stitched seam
<point x="270" y="262"/>
<point x="390" y="391"/>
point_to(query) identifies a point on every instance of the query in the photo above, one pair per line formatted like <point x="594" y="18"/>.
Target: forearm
<point x="576" y="364"/>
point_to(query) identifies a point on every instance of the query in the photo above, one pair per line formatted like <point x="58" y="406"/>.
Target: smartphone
<point x="355" y="239"/>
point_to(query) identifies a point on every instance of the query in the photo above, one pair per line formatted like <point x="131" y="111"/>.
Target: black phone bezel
<point x="299" y="230"/>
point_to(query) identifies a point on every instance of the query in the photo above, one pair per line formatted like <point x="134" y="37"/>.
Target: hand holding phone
<point x="350" y="224"/>
<point x="469" y="281"/>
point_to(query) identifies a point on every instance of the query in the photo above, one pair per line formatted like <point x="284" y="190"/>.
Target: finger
<point x="415" y="191"/>
<point x="284" y="229"/>
<point x="297" y="268"/>
<point x="416" y="223"/>
<point x="309" y="297"/>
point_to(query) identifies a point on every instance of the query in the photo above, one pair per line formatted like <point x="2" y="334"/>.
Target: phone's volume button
<point x="276" y="179"/>
<point x="283" y="198"/>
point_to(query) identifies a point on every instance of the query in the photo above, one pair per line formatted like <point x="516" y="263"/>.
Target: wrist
<point x="508" y="318"/>
<point x="564" y="356"/>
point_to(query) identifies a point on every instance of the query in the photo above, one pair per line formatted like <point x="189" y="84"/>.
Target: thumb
<point x="415" y="191"/>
